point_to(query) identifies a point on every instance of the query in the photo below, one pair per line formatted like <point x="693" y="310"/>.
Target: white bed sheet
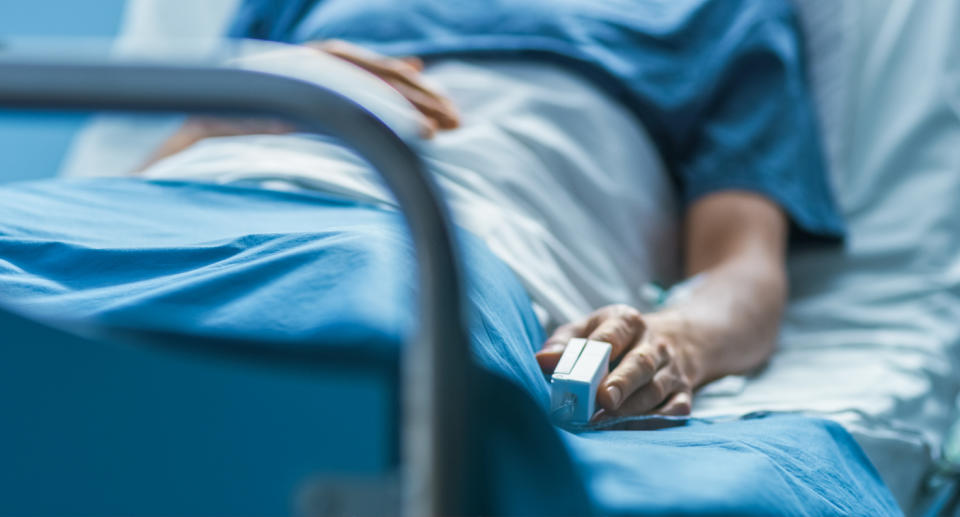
<point x="872" y="334"/>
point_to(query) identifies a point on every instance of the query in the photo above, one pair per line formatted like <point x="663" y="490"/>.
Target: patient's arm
<point x="728" y="325"/>
<point x="403" y="74"/>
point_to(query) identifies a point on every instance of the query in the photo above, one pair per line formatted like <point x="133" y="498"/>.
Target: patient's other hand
<point x="653" y="368"/>
<point x="404" y="75"/>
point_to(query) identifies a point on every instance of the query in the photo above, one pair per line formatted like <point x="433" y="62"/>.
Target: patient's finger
<point x="401" y="73"/>
<point x="634" y="373"/>
<point x="622" y="330"/>
<point x="652" y="394"/>
<point x="565" y="333"/>
<point x="429" y="103"/>
<point x="412" y="85"/>
<point x="366" y="58"/>
<point x="407" y="81"/>
<point x="680" y="404"/>
<point x="348" y="51"/>
<point x="406" y="78"/>
<point x="428" y="128"/>
<point x="551" y="351"/>
<point x="415" y="62"/>
<point x="548" y="359"/>
<point x="362" y="56"/>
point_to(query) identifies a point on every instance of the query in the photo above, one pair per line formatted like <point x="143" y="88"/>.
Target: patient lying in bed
<point x="571" y="190"/>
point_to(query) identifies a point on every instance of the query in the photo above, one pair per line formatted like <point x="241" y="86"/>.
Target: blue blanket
<point x="291" y="268"/>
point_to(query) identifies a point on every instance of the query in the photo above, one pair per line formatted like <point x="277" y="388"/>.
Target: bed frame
<point x="440" y="386"/>
<point x="439" y="473"/>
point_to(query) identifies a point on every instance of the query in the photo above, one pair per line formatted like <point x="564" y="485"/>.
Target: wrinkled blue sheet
<point x="292" y="267"/>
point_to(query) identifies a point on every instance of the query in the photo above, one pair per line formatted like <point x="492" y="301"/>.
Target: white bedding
<point x="562" y="183"/>
<point x="872" y="334"/>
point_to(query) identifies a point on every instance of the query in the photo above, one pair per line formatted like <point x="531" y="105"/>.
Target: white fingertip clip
<point x="573" y="386"/>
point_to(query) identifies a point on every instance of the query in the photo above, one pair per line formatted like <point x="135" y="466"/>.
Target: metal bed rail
<point x="437" y="369"/>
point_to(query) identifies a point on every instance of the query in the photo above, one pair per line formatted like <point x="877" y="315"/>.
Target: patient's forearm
<point x="732" y="318"/>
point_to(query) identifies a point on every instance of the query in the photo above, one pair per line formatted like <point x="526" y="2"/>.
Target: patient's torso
<point x="561" y="182"/>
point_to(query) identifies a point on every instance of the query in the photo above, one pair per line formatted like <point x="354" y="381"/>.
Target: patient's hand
<point x="728" y="324"/>
<point x="653" y="368"/>
<point x="405" y="76"/>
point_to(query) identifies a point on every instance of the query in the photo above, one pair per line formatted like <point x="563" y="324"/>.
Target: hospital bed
<point x="441" y="388"/>
<point x="845" y="309"/>
<point x="102" y="414"/>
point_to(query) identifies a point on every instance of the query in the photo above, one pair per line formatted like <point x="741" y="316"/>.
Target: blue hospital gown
<point x="720" y="84"/>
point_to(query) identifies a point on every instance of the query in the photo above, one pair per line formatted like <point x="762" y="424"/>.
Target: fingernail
<point x="613" y="393"/>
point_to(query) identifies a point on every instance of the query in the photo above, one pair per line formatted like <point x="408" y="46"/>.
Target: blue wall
<point x="32" y="146"/>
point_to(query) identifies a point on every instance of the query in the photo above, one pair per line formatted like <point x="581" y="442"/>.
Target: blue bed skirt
<point x="294" y="268"/>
